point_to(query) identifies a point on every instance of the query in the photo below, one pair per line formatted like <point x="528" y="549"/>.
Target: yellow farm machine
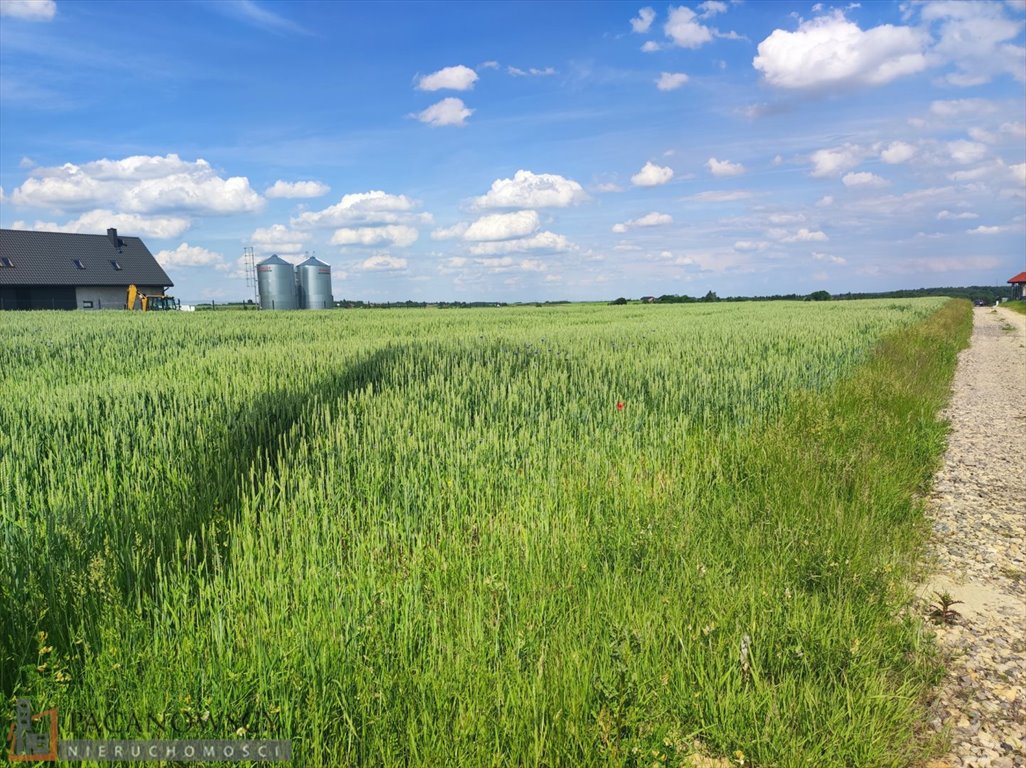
<point x="150" y="302"/>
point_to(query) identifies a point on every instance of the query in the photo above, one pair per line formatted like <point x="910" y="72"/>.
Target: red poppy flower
<point x="619" y="405"/>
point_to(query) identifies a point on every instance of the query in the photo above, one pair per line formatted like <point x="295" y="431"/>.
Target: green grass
<point x="1016" y="306"/>
<point x="431" y="538"/>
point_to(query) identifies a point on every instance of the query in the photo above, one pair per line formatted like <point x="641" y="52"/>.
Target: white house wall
<point x="107" y="296"/>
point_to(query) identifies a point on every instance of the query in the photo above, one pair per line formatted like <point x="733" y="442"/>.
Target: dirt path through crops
<point x="978" y="509"/>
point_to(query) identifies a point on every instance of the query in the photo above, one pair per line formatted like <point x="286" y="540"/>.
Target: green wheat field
<point x="535" y="536"/>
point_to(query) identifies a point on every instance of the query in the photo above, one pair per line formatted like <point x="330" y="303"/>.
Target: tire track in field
<point x="221" y="473"/>
<point x="262" y="430"/>
<point x="977" y="511"/>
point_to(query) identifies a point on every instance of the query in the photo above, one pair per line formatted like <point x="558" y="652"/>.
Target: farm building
<point x="1018" y="284"/>
<point x="62" y="270"/>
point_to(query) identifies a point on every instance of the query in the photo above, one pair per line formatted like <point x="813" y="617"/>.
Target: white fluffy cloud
<point x="886" y="205"/>
<point x="711" y="8"/>
<point x="382" y="262"/>
<point x="97" y="222"/>
<point x="978" y="39"/>
<point x="278" y="239"/>
<point x="960" y="216"/>
<point x="458" y="78"/>
<point x="541" y="241"/>
<point x="368" y="219"/>
<point x="1010" y="130"/>
<point x="374" y="207"/>
<point x="532" y="190"/>
<point x="652" y="175"/>
<point x="836" y="160"/>
<point x="1013" y="129"/>
<point x="992" y="170"/>
<point x="949" y="108"/>
<point x="186" y="255"/>
<point x="785" y="218"/>
<point x="400" y="235"/>
<point x="448" y="233"/>
<point x="30" y="10"/>
<point x="644" y="20"/>
<point x="494" y="264"/>
<point x="531" y="71"/>
<point x="449" y="111"/>
<point x="139" y="184"/>
<point x="898" y="152"/>
<point x="832" y="51"/>
<point x="683" y="28"/>
<point x="654" y="219"/>
<point x="724" y="167"/>
<point x="505" y="264"/>
<point x="803" y="235"/>
<point x="293" y="189"/>
<point x="671" y="81"/>
<point x="503" y="226"/>
<point x="965" y="152"/>
<point x="864" y="179"/>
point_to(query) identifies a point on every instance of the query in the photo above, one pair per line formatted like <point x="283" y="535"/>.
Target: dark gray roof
<point x="273" y="259"/>
<point x="45" y="258"/>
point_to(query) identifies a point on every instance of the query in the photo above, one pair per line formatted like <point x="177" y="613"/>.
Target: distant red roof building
<point x="1018" y="284"/>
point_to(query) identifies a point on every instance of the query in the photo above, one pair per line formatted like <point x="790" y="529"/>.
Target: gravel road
<point x="978" y="510"/>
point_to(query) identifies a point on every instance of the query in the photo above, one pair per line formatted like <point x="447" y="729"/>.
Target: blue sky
<point x="527" y="151"/>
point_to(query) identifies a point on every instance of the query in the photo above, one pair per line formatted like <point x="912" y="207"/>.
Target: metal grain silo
<point x="315" y="284"/>
<point x="276" y="281"/>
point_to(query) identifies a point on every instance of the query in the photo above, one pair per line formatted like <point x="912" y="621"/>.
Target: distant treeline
<point x="971" y="292"/>
<point x="672" y="298"/>
<point x="350" y="304"/>
<point x="987" y="293"/>
<point x="354" y="304"/>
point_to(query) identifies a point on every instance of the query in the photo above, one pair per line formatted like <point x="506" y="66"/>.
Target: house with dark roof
<point x="1018" y="284"/>
<point x="63" y="270"/>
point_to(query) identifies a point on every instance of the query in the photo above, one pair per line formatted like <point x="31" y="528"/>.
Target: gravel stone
<point x="978" y="514"/>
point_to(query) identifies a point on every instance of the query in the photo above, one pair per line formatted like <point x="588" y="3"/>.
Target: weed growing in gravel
<point x="941" y="611"/>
